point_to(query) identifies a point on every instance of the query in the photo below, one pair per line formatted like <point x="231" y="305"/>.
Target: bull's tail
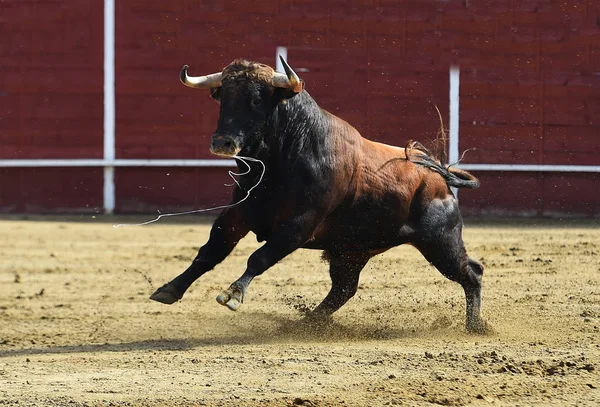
<point x="454" y="177"/>
<point x="462" y="178"/>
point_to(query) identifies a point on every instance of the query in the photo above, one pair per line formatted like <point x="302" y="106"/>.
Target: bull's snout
<point x="224" y="145"/>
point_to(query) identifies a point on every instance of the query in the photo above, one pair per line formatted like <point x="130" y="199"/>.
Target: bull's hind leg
<point x="440" y="241"/>
<point x="344" y="270"/>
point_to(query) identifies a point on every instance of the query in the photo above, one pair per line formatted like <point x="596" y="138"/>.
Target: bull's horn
<point x="288" y="81"/>
<point x="207" y="81"/>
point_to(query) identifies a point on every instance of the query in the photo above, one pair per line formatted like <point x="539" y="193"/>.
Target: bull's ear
<point x="215" y="93"/>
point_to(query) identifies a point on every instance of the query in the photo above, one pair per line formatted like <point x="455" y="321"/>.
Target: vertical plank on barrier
<point x="109" y="104"/>
<point x="453" y="156"/>
<point x="281" y="51"/>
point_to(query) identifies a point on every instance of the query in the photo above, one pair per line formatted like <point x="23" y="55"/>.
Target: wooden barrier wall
<point x="529" y="94"/>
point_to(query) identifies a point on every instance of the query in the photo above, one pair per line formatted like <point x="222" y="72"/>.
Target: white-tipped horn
<point x="288" y="81"/>
<point x="206" y="81"/>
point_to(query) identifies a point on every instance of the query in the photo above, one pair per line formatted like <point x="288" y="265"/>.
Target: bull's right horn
<point x="288" y="81"/>
<point x="208" y="81"/>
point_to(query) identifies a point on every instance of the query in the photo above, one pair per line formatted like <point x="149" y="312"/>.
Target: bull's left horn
<point x="288" y="81"/>
<point x="207" y="81"/>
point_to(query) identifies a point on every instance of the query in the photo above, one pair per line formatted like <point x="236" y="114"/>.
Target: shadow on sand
<point x="261" y="329"/>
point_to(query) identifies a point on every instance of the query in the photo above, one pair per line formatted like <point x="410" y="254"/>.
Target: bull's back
<point x="386" y="168"/>
<point x="384" y="198"/>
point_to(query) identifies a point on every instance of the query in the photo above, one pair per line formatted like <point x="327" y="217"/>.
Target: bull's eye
<point x="256" y="101"/>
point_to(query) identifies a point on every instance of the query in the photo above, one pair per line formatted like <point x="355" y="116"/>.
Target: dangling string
<point x="235" y="182"/>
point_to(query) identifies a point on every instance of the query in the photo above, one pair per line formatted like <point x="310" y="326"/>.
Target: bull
<point x="325" y="187"/>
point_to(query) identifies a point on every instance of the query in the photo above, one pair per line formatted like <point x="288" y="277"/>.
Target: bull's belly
<point x="362" y="234"/>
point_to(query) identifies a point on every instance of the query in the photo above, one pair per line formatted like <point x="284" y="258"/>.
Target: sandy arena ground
<point x="77" y="327"/>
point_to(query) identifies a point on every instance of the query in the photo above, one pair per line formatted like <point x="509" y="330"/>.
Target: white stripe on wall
<point x="83" y="162"/>
<point x="530" y="167"/>
<point x="283" y="52"/>
<point x="216" y="163"/>
<point x="454" y="123"/>
<point x="109" y="104"/>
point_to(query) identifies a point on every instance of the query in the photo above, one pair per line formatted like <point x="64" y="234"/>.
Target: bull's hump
<point x="396" y="149"/>
<point x="387" y="150"/>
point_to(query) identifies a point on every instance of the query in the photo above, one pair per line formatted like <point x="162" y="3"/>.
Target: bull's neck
<point x="299" y="128"/>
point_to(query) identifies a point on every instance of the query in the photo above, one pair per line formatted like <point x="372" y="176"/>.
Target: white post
<point x="283" y="52"/>
<point x="454" y="104"/>
<point x="109" y="104"/>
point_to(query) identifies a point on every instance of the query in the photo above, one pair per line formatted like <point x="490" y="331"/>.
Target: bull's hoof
<point x="479" y="327"/>
<point x="230" y="299"/>
<point x="166" y="295"/>
<point x="318" y="319"/>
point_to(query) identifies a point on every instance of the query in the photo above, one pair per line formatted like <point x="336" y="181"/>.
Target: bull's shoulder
<point x="341" y="129"/>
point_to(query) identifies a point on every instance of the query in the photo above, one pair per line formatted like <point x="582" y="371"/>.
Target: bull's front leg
<point x="226" y="232"/>
<point x="283" y="241"/>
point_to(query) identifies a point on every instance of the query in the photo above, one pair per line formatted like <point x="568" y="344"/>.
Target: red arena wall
<point x="51" y="96"/>
<point x="529" y="92"/>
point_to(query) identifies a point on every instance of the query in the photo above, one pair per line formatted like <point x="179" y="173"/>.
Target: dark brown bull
<point x="325" y="187"/>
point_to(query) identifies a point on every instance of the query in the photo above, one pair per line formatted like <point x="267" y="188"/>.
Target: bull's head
<point x="248" y="93"/>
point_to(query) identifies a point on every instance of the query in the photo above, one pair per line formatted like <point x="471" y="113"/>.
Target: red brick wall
<point x="51" y="98"/>
<point x="530" y="88"/>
